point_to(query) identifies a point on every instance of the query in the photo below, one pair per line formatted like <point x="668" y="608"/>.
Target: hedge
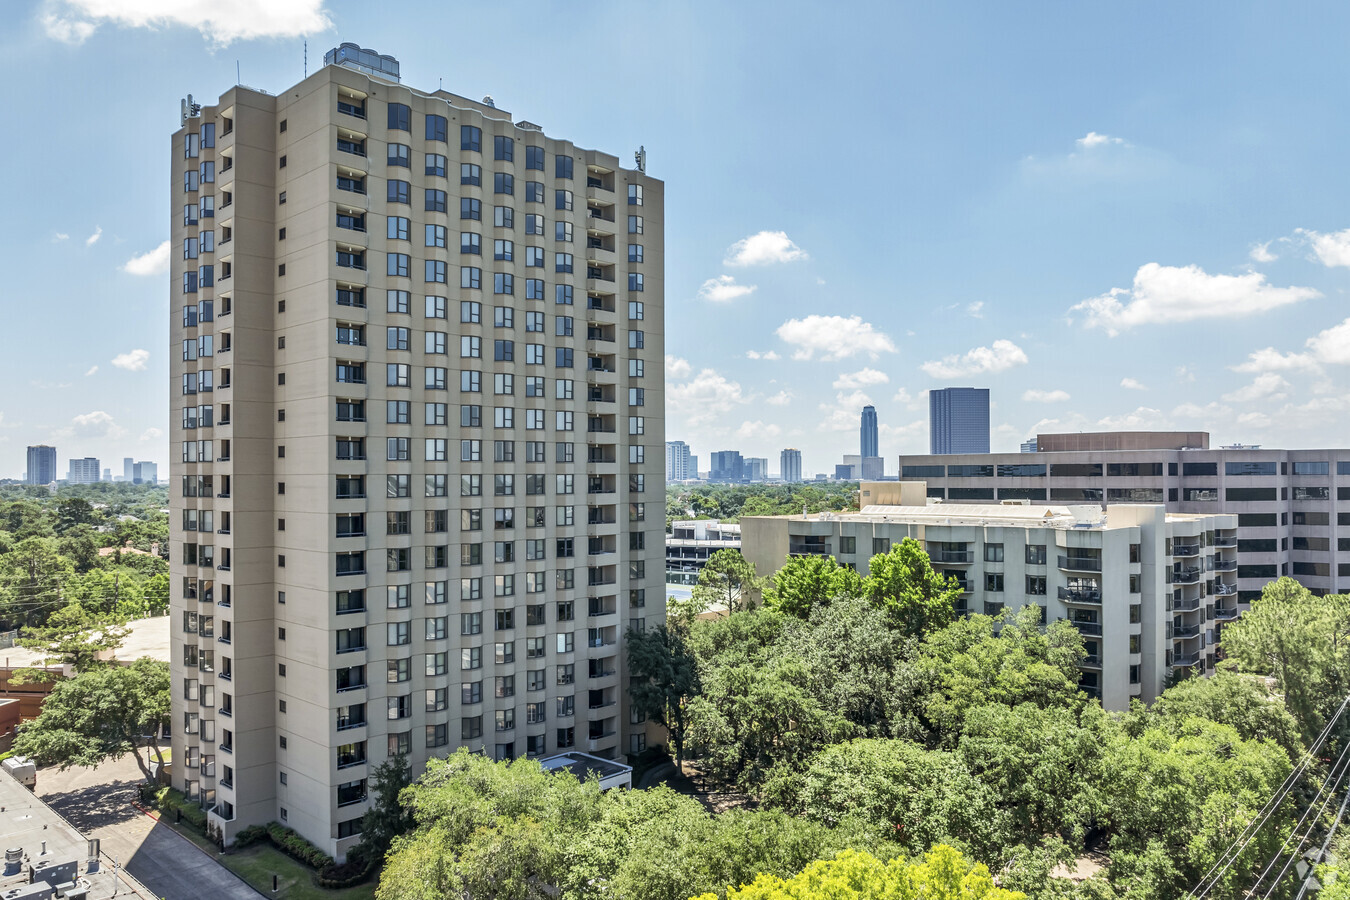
<point x="293" y="845"/>
<point x="169" y="802"/>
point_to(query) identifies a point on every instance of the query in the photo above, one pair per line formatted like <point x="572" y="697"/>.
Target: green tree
<point x="903" y="581"/>
<point x="75" y="636"/>
<point x="1302" y="641"/>
<point x="727" y="581"/>
<point x="73" y="511"/>
<point x="387" y="817"/>
<point x="943" y="874"/>
<point x="662" y="677"/>
<point x="805" y="582"/>
<point x="26" y="518"/>
<point x="79" y="544"/>
<point x="101" y="714"/>
<point x="1229" y="698"/>
<point x="32" y="578"/>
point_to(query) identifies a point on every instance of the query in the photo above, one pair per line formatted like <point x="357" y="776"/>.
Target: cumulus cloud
<point x="152" y="262"/>
<point x="1035" y="396"/>
<point x="60" y="236"/>
<point x="93" y="238"/>
<point x="677" y="367"/>
<point x="1183" y="294"/>
<point x="1267" y="385"/>
<point x="220" y="21"/>
<point x="782" y="398"/>
<point x="724" y="289"/>
<point x="1261" y="253"/>
<point x="757" y="429"/>
<point x="133" y="361"/>
<point x="1000" y="356"/>
<point x="1133" y="384"/>
<point x="976" y="310"/>
<point x="93" y="370"/>
<point x="762" y="249"/>
<point x="706" y="396"/>
<point x="97" y="424"/>
<point x="1332" y="249"/>
<point x="1328" y="347"/>
<point x="1254" y="420"/>
<point x="852" y="381"/>
<point x="1143" y="418"/>
<point x="1093" y="139"/>
<point x="151" y="434"/>
<point x="834" y="337"/>
<point x="767" y="354"/>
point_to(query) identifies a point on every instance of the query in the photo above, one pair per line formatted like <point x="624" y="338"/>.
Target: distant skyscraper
<point x="757" y="468"/>
<point x="868" y="432"/>
<point x="128" y="469"/>
<point x="41" y="465"/>
<point x="727" y="465"/>
<point x="680" y="463"/>
<point x="958" y="420"/>
<point x="790" y="465"/>
<point x="145" y="473"/>
<point x="84" y="471"/>
<point x="1029" y="446"/>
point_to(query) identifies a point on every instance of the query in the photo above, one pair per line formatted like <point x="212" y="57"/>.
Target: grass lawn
<point x="257" y="864"/>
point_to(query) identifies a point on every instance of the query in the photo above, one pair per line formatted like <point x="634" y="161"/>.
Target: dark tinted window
<point x="922" y="471"/>
<point x="1257" y="520"/>
<point x="1249" y="495"/>
<point x="1076" y="470"/>
<point x="1076" y="495"/>
<point x="436" y="128"/>
<point x="1021" y="470"/>
<point x="400" y="117"/>
<point x="1021" y="493"/>
<point x="1312" y="468"/>
<point x="1199" y="468"/>
<point x="970" y="493"/>
<point x="971" y="472"/>
<point x="1133" y="470"/>
<point x="1253" y="467"/>
<point x="1256" y="571"/>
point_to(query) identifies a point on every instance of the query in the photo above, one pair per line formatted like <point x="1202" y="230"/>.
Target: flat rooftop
<point x="583" y="764"/>
<point x="148" y="637"/>
<point x="25" y="822"/>
<point x="1017" y="515"/>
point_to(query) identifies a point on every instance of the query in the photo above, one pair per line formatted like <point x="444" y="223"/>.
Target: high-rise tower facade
<point x="418" y="402"/>
<point x="41" y="465"/>
<point x="790" y="465"/>
<point x="868" y="432"/>
<point x="958" y="420"/>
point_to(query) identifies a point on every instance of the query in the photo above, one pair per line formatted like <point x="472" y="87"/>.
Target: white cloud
<point x="1331" y="249"/>
<point x="767" y="354"/>
<point x="219" y="21"/>
<point x="1330" y="346"/>
<point x="60" y="236"/>
<point x="724" y="289"/>
<point x="1143" y="418"/>
<point x="677" y="367"/>
<point x="93" y="238"/>
<point x="852" y="381"/>
<point x="97" y="424"/>
<point x="1035" y="396"/>
<point x="1133" y="384"/>
<point x="1210" y="412"/>
<point x="1093" y="139"/>
<point x="1184" y="373"/>
<point x="704" y="398"/>
<point x="152" y="434"/>
<point x="782" y="398"/>
<point x="1267" y="385"/>
<point x="153" y="262"/>
<point x="1183" y="294"/>
<point x="764" y="248"/>
<point x="757" y="429"/>
<point x="1261" y="253"/>
<point x="834" y="337"/>
<point x="93" y="370"/>
<point x="1000" y="356"/>
<point x="133" y="362"/>
<point x="1254" y="420"/>
<point x="976" y="310"/>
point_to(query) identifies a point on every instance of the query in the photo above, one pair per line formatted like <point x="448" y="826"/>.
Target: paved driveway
<point x="98" y="803"/>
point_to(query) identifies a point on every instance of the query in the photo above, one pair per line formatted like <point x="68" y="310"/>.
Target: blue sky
<point x="1112" y="215"/>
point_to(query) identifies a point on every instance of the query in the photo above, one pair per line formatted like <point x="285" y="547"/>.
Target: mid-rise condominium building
<point x="790" y="465"/>
<point x="958" y="420"/>
<point x="41" y="465"/>
<point x="1148" y="590"/>
<point x="1292" y="506"/>
<point x="416" y="491"/>
<point x="691" y="543"/>
<point x="85" y="471"/>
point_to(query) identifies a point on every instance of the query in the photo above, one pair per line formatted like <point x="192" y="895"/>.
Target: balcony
<point x="956" y="557"/>
<point x="1225" y="613"/>
<point x="1081" y="563"/>
<point x="1091" y="690"/>
<point x="1183" y="632"/>
<point x="1185" y="549"/>
<point x="1081" y="595"/>
<point x="808" y="548"/>
<point x="1185" y="660"/>
<point x="1225" y="565"/>
<point x="1188" y="575"/>
<point x="1085" y="627"/>
<point x="1091" y="661"/>
<point x="1186" y="605"/>
<point x="357" y="110"/>
<point x="1224" y="590"/>
<point x="1225" y="540"/>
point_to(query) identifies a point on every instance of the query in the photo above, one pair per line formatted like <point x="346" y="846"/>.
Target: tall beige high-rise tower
<point x="418" y="394"/>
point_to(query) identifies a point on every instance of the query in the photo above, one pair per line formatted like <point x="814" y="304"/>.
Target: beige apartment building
<point x="417" y="391"/>
<point x="1149" y="590"/>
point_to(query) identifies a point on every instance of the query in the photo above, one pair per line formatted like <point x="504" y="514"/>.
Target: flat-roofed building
<point x="1149" y="590"/>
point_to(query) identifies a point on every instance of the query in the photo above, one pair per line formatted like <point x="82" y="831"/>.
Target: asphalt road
<point x="98" y="803"/>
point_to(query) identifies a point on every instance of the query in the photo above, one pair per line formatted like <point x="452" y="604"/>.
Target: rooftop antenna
<point x="306" y="57"/>
<point x="641" y="158"/>
<point x="237" y="79"/>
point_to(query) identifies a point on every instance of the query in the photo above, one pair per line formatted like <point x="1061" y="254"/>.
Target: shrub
<point x="249" y="836"/>
<point x="293" y="845"/>
<point x="348" y="874"/>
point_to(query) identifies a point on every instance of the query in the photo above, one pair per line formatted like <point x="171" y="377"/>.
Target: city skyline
<point x="1047" y="220"/>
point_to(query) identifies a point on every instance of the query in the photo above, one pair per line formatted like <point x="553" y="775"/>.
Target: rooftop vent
<point x="487" y="101"/>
